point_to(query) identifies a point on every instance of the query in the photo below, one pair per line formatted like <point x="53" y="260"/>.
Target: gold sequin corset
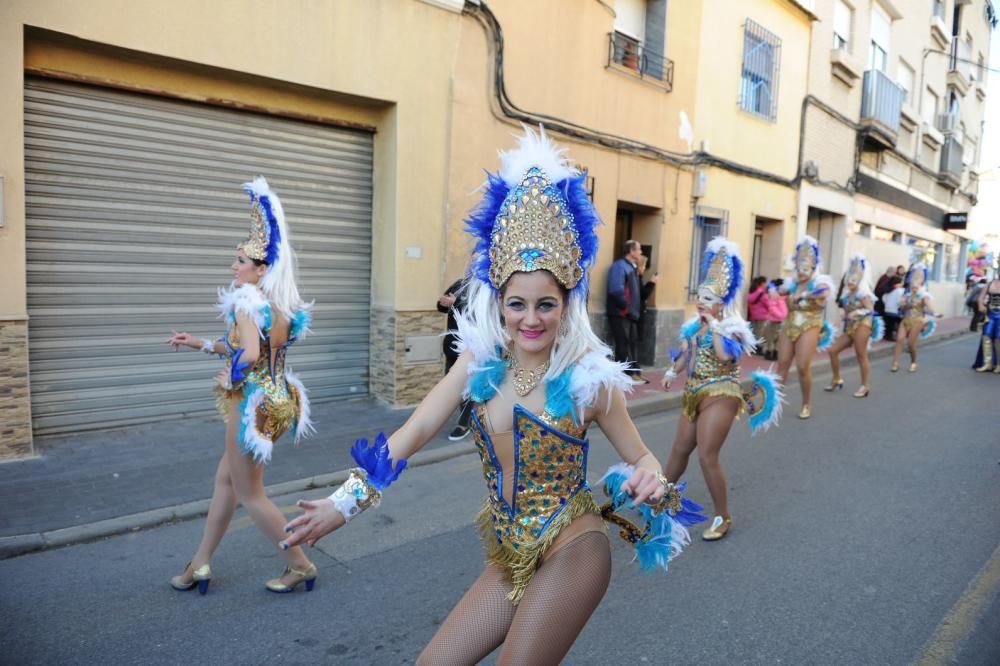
<point x="280" y="403"/>
<point x="852" y="324"/>
<point x="708" y="368"/>
<point x="914" y="308"/>
<point x="549" y="490"/>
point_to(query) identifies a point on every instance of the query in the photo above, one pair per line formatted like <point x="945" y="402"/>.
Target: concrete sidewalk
<point x="96" y="484"/>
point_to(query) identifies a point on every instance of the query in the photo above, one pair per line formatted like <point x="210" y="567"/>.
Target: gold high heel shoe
<point x="894" y="367"/>
<point x="987" y="346"/>
<point x="913" y="367"/>
<point x="805" y="412"/>
<point x="861" y="392"/>
<point x="719" y="528"/>
<point x="308" y="577"/>
<point x="836" y="385"/>
<point x="200" y="577"/>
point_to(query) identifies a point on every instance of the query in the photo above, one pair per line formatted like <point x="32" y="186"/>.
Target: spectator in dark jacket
<point x="624" y="297"/>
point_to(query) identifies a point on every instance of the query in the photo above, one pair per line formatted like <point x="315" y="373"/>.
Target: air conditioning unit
<point x="947" y="122"/>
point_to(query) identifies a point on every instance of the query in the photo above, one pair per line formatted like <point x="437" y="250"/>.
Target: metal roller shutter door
<point x="133" y="213"/>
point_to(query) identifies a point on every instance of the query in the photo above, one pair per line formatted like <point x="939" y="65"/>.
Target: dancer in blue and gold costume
<point x="257" y="395"/>
<point x="804" y="331"/>
<point x="918" y="316"/>
<point x="711" y="345"/>
<point x="988" y="356"/>
<point x="861" y="324"/>
<point x="538" y="378"/>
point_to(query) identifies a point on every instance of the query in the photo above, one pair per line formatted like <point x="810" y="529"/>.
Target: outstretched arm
<point x="321" y="517"/>
<point x="646" y="483"/>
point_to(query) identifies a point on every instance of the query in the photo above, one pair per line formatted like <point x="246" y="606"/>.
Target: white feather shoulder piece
<point x="824" y="280"/>
<point x="248" y="300"/>
<point x="738" y="329"/>
<point x="469" y="339"/>
<point x="592" y="372"/>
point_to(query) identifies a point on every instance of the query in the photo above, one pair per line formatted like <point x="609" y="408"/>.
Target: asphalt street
<point x="866" y="535"/>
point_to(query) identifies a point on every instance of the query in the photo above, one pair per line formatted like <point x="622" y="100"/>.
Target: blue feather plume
<point x="377" y="462"/>
<point x="558" y="399"/>
<point x="301" y="321"/>
<point x="664" y="536"/>
<point x="732" y="347"/>
<point x="929" y="327"/>
<point x="585" y="221"/>
<point x="826" y="336"/>
<point x="237" y="367"/>
<point x="690" y="328"/>
<point x="484" y="383"/>
<point x="480" y="223"/>
<point x="878" y="328"/>
<point x="770" y="412"/>
<point x="690" y="513"/>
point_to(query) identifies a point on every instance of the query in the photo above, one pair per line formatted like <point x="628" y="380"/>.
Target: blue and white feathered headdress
<point x="921" y="273"/>
<point x="534" y="215"/>
<point x="723" y="270"/>
<point x="266" y="223"/>
<point x="807" y="256"/>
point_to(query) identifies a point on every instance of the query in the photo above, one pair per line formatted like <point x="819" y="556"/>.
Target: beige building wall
<point x="363" y="63"/>
<point x="917" y="59"/>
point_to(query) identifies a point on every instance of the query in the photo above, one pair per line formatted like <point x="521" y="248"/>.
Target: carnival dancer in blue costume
<point x="988" y="356"/>
<point x="711" y="345"/>
<point x="805" y="330"/>
<point x="861" y="325"/>
<point x="538" y="377"/>
<point x="256" y="393"/>
<point x="918" y="317"/>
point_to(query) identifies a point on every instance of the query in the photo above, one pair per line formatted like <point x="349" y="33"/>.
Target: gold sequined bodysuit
<point x="803" y="313"/>
<point x="708" y="375"/>
<point x="852" y="303"/>
<point x="915" y="315"/>
<point x="548" y="490"/>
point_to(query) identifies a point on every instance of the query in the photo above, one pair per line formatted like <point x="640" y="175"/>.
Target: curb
<point x="13" y="546"/>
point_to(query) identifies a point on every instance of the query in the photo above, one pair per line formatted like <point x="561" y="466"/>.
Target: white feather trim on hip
<point x="254" y="442"/>
<point x="823" y="280"/>
<point x="303" y="423"/>
<point x="246" y="299"/>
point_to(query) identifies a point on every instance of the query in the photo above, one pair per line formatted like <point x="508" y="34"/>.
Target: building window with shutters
<point x="708" y="223"/>
<point x="843" y="22"/>
<point x="759" y="81"/>
<point x="881" y="30"/>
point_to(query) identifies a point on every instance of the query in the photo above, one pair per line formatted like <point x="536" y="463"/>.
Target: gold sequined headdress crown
<point x="535" y="215"/>
<point x="807" y="255"/>
<point x="856" y="269"/>
<point x="723" y="269"/>
<point x="264" y="241"/>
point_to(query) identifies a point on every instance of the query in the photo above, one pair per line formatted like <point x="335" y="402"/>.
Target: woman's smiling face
<point x="532" y="306"/>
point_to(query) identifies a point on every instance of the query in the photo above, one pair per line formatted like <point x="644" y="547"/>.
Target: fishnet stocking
<point x="562" y="595"/>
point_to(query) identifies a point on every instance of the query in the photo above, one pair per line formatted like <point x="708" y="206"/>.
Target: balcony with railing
<point x="951" y="162"/>
<point x="631" y="56"/>
<point x="881" y="105"/>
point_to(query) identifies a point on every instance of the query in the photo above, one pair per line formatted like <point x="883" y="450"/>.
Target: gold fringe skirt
<point x="693" y="398"/>
<point x="520" y="559"/>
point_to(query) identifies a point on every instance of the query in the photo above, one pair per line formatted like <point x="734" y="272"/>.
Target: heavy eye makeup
<point x="518" y="304"/>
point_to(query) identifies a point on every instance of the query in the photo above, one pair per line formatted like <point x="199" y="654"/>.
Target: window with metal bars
<point x="759" y="82"/>
<point x="708" y="223"/>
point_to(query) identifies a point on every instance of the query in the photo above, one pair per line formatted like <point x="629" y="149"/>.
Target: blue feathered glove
<point x="376" y="461"/>
<point x="237" y="368"/>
